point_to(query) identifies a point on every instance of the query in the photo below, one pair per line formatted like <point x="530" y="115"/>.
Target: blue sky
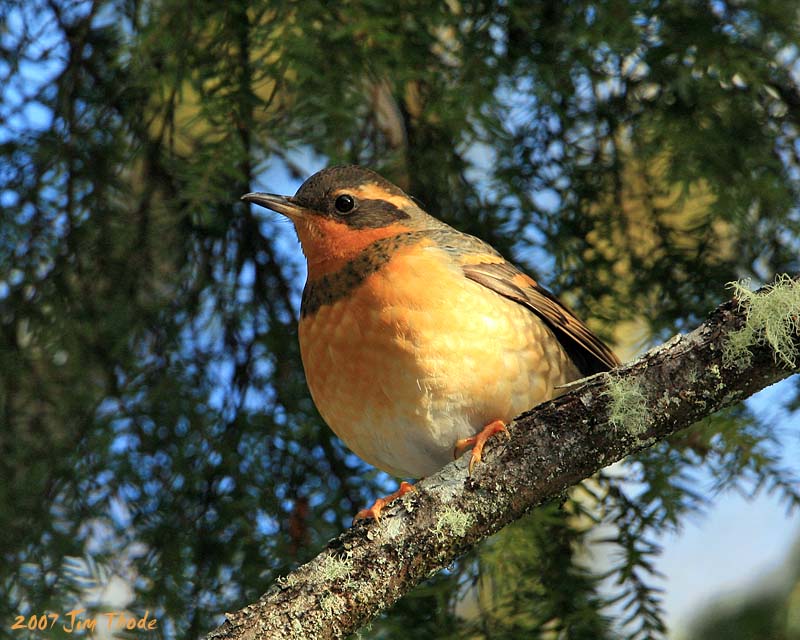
<point x="739" y="544"/>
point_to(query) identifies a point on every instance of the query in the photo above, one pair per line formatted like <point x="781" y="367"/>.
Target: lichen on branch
<point x="772" y="318"/>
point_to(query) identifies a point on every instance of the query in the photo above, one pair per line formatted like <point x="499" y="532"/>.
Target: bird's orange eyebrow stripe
<point x="371" y="191"/>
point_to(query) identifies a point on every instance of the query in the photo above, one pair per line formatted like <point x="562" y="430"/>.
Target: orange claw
<point x="375" y="510"/>
<point x="478" y="441"/>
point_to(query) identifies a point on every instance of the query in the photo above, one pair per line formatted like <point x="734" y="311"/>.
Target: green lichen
<point x="627" y="405"/>
<point x="714" y="370"/>
<point x="287" y="581"/>
<point x="333" y="568"/>
<point x="452" y="522"/>
<point x="393" y="527"/>
<point x="331" y="604"/>
<point x="773" y="318"/>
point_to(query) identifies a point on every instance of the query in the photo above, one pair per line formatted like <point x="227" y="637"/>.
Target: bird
<point x="419" y="341"/>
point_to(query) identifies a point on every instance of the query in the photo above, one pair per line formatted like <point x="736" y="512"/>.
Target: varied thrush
<point x="415" y="337"/>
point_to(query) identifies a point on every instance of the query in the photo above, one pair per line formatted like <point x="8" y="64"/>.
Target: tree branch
<point x="607" y="417"/>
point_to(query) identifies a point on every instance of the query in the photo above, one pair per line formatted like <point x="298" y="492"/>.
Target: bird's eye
<point x="345" y="203"/>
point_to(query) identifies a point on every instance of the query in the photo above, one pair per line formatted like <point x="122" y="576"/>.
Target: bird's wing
<point x="481" y="263"/>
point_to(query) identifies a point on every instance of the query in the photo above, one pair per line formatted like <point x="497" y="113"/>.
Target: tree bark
<point x="605" y="418"/>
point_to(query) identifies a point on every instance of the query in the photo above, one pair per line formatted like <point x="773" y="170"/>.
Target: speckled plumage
<point x="401" y="370"/>
<point x="414" y="335"/>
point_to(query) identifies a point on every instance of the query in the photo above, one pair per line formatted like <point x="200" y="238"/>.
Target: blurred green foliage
<point x="771" y="612"/>
<point x="155" y="423"/>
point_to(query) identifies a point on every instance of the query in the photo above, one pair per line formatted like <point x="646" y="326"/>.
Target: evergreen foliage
<point x="155" y="424"/>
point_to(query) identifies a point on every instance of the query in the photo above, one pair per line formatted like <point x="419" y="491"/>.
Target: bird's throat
<point x="329" y="244"/>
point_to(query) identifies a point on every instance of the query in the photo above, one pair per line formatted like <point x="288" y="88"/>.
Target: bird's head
<point x="341" y="210"/>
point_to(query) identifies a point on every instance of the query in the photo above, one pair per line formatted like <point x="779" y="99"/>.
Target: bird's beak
<point x="282" y="204"/>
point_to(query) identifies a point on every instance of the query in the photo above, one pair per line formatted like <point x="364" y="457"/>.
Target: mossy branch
<point x="747" y="344"/>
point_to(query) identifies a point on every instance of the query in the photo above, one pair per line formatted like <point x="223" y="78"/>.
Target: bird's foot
<point x="375" y="510"/>
<point x="478" y="441"/>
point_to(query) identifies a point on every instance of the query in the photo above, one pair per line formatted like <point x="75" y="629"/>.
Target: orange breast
<point x="418" y="356"/>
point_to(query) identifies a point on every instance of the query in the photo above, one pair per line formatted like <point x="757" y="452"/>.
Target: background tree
<point x="771" y="611"/>
<point x="636" y="156"/>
